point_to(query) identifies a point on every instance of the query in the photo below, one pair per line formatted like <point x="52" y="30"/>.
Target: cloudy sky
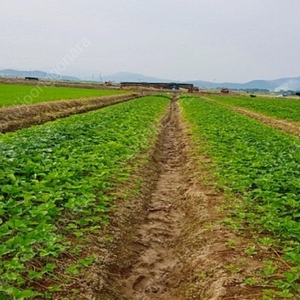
<point x="213" y="40"/>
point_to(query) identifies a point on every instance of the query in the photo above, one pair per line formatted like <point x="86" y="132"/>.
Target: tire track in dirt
<point x="158" y="235"/>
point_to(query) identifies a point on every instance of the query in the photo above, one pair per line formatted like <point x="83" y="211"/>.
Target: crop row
<point x="11" y="94"/>
<point x="54" y="182"/>
<point x="287" y="109"/>
<point x="257" y="164"/>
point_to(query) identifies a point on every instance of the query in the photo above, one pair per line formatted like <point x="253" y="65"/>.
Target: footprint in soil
<point x="145" y="284"/>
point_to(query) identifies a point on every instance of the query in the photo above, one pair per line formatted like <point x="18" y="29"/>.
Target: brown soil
<point x="149" y="276"/>
<point x="170" y="242"/>
<point x="21" y="116"/>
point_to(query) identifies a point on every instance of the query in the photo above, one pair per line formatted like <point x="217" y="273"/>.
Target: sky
<point x="211" y="40"/>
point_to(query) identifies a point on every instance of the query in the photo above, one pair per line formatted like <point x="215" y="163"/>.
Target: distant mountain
<point x="38" y="74"/>
<point x="292" y="83"/>
<point x="285" y="84"/>
<point x="132" y="77"/>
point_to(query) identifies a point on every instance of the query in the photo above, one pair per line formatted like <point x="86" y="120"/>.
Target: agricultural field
<point x="259" y="169"/>
<point x="161" y="197"/>
<point x="11" y="94"/>
<point x="54" y="183"/>
<point x="286" y="109"/>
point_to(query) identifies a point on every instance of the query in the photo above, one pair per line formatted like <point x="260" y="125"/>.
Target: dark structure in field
<point x="160" y="85"/>
<point x="31" y="78"/>
<point x="225" y="91"/>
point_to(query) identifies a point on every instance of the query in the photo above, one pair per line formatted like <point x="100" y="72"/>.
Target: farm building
<point x="168" y="86"/>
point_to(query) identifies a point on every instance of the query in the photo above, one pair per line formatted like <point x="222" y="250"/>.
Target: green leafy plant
<point x="251" y="250"/>
<point x="252" y="281"/>
<point x="257" y="167"/>
<point x="279" y="108"/>
<point x="231" y="244"/>
<point x="54" y="184"/>
<point x="269" y="269"/>
<point x="233" y="269"/>
<point x="12" y="94"/>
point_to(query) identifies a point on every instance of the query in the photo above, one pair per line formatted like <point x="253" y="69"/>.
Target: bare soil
<point x="22" y="116"/>
<point x="149" y="275"/>
<point x="170" y="242"/>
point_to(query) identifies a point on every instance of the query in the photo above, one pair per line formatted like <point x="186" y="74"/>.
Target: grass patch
<point x="11" y="94"/>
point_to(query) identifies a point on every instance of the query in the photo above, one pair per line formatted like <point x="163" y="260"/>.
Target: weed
<point x="233" y="269"/>
<point x="251" y="250"/>
<point x="269" y="269"/>
<point x="231" y="244"/>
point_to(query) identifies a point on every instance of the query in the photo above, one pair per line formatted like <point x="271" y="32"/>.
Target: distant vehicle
<point x="283" y="95"/>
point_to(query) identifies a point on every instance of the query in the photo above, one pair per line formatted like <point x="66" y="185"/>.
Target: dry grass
<point x="17" y="117"/>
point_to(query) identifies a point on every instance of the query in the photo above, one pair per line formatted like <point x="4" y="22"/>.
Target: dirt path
<point x="149" y="277"/>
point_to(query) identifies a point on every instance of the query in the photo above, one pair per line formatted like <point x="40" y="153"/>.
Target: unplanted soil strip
<point x="22" y="116"/>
